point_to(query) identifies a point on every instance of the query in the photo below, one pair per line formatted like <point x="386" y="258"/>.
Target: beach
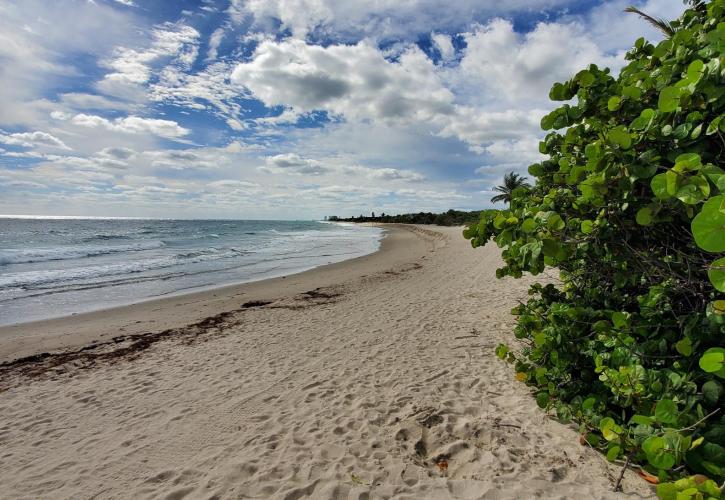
<point x="374" y="377"/>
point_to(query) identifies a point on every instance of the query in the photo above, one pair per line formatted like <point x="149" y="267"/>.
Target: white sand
<point x="352" y="392"/>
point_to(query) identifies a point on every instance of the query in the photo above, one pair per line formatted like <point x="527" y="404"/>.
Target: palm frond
<point x="658" y="23"/>
<point x="500" y="197"/>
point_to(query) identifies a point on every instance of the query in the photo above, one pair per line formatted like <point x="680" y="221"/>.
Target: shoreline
<point x="80" y="329"/>
<point x="369" y="378"/>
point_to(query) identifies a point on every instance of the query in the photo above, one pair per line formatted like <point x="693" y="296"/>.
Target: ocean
<point x="52" y="267"/>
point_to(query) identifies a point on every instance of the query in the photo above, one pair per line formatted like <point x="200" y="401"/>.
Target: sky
<point x="285" y="109"/>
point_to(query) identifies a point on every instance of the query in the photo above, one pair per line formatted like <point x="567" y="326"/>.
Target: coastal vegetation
<point x="449" y="218"/>
<point x="629" y="206"/>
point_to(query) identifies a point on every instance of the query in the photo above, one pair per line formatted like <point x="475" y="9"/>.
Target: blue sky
<point x="284" y="108"/>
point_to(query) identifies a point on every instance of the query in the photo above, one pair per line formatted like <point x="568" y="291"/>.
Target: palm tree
<point x="664" y="26"/>
<point x="661" y="24"/>
<point x="511" y="181"/>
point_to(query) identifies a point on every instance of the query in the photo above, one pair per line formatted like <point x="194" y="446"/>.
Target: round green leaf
<point x="542" y="399"/>
<point x="613" y="103"/>
<point x="619" y="136"/>
<point x="631" y="92"/>
<point x="620" y="319"/>
<point x="669" y="99"/>
<point x="716" y="273"/>
<point x="711" y="391"/>
<point x="687" y="162"/>
<point x="613" y="453"/>
<point x="528" y="226"/>
<point x="659" y="186"/>
<point x="666" y="412"/>
<point x="644" y="216"/>
<point x="657" y="453"/>
<point x="713" y="361"/>
<point x="708" y="227"/>
<point x="587" y="226"/>
<point x="585" y="78"/>
<point x="694" y="70"/>
<point x="684" y="346"/>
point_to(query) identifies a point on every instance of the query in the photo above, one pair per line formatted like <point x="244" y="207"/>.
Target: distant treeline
<point x="449" y="218"/>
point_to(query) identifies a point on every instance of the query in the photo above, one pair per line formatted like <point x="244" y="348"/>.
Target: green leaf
<point x="716" y="273"/>
<point x="613" y="103"/>
<point x="555" y="222"/>
<point x="659" y="186"/>
<point x="620" y="320"/>
<point x="641" y="420"/>
<point x="713" y="361"/>
<point x="669" y="99"/>
<point x="666" y="412"/>
<point x="711" y="392"/>
<point x="695" y="70"/>
<point x="644" y="216"/>
<point x="501" y="351"/>
<point x="708" y="227"/>
<point x="619" y="136"/>
<point x="542" y="399"/>
<point x="613" y="453"/>
<point x="658" y="454"/>
<point x="528" y="226"/>
<point x="610" y="429"/>
<point x="684" y="346"/>
<point x="587" y="226"/>
<point x="687" y="162"/>
<point x="631" y="92"/>
<point x="585" y="78"/>
<point x="714" y="125"/>
<point x="693" y="190"/>
<point x="547" y="122"/>
<point x="667" y="491"/>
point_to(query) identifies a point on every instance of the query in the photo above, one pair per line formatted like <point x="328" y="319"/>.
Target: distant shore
<point x="371" y="378"/>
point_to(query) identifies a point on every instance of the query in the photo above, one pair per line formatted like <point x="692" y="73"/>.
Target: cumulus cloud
<point x="32" y="139"/>
<point x="294" y="164"/>
<point x="354" y="81"/>
<point x="167" y="129"/>
<point x="522" y="67"/>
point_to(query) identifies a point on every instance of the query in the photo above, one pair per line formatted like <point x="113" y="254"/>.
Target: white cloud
<point x="212" y="85"/>
<point x="132" y="68"/>
<point x="354" y="81"/>
<point x="215" y="39"/>
<point x="32" y="139"/>
<point x="133" y="125"/>
<point x="382" y="19"/>
<point x="445" y="46"/>
<point x="521" y="68"/>
<point x="292" y="163"/>
<point x="117" y="153"/>
<point x="37" y="41"/>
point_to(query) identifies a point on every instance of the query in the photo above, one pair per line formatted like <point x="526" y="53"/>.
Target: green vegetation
<point x="630" y="207"/>
<point x="449" y="218"/>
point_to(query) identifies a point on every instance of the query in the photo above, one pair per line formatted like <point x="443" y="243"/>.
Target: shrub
<point x="630" y="207"/>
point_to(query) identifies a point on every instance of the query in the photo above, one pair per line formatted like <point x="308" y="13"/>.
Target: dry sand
<point x="372" y="378"/>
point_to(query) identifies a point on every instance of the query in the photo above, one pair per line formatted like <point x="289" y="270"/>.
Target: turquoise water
<point x="56" y="267"/>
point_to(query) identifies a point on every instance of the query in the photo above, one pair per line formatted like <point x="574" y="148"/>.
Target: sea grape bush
<point x="630" y="207"/>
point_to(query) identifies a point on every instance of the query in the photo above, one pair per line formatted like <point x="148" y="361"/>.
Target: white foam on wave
<point x="29" y="279"/>
<point x="30" y="255"/>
